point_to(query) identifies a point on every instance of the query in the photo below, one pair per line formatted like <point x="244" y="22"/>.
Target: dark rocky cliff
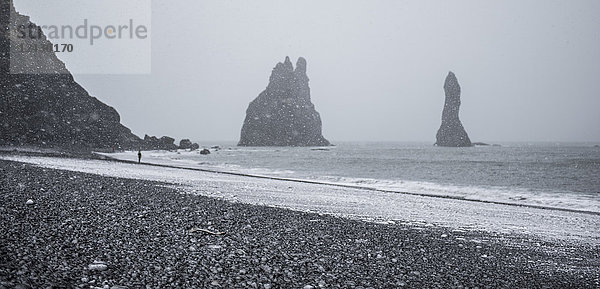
<point x="283" y="114"/>
<point x="50" y="108"/>
<point x="42" y="105"/>
<point x="451" y="132"/>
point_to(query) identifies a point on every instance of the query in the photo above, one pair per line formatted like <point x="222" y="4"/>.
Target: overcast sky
<point x="529" y="70"/>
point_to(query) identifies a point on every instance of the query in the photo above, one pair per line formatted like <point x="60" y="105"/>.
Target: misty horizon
<point x="528" y="71"/>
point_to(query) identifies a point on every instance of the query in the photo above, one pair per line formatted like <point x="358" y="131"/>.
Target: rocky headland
<point x="42" y="105"/>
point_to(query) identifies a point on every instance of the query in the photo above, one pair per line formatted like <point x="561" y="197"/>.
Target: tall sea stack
<point x="283" y="114"/>
<point x="451" y="132"/>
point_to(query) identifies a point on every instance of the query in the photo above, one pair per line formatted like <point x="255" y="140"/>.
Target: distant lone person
<point x="139" y="156"/>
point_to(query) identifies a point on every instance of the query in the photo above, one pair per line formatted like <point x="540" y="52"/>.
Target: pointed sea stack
<point x="451" y="132"/>
<point x="283" y="114"/>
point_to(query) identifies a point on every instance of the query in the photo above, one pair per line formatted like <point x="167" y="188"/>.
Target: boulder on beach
<point x="451" y="132"/>
<point x="204" y="152"/>
<point x="187" y="144"/>
<point x="154" y="143"/>
<point x="283" y="114"/>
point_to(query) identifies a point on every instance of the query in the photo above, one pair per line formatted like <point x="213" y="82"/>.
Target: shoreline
<point x="341" y="185"/>
<point x="531" y="198"/>
<point x="556" y="226"/>
<point x="144" y="232"/>
<point x="110" y="157"/>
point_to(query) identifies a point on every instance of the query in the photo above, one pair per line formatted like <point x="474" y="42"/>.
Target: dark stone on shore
<point x="187" y="144"/>
<point x="283" y="114"/>
<point x="154" y="143"/>
<point x="205" y="152"/>
<point x="451" y="132"/>
<point x="141" y="229"/>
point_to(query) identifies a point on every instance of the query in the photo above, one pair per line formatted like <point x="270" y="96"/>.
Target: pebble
<point x="29" y="202"/>
<point x="308" y="287"/>
<point x="97" y="266"/>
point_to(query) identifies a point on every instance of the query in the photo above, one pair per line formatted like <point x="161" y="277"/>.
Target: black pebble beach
<point x="145" y="235"/>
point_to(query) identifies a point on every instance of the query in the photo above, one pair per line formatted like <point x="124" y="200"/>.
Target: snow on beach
<point x="227" y="161"/>
<point x="354" y="203"/>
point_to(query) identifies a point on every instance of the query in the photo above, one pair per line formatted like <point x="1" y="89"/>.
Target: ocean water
<point x="552" y="175"/>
